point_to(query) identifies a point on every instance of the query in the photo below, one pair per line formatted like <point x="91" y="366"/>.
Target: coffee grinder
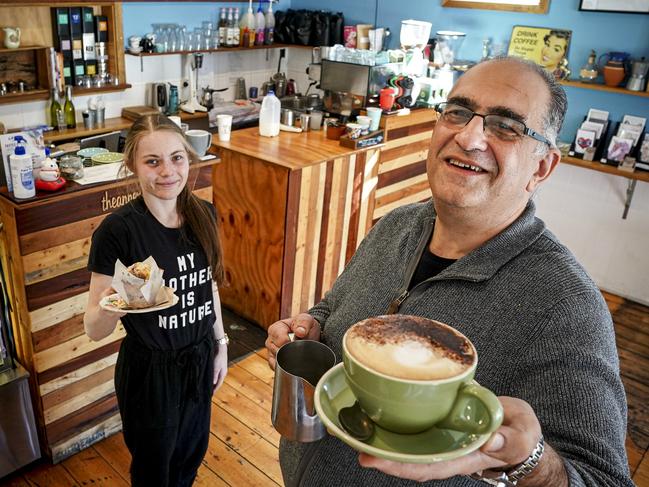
<point x="193" y="64"/>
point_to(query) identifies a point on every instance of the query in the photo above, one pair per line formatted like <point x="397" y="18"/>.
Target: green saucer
<point x="433" y="445"/>
<point x="107" y="157"/>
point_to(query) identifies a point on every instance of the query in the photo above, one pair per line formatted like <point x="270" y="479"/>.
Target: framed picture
<point x="545" y="46"/>
<point x="627" y="6"/>
<point x="528" y="6"/>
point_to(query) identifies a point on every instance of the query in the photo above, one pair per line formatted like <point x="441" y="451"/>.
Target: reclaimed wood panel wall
<point x="330" y="211"/>
<point x="402" y="168"/>
<point x="72" y="375"/>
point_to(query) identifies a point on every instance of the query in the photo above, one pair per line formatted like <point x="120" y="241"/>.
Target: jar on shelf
<point x="71" y="167"/>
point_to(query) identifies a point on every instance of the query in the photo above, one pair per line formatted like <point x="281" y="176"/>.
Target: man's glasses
<point x="504" y="128"/>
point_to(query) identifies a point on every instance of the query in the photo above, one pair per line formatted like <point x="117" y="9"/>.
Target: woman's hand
<point x="99" y="323"/>
<point x="303" y="325"/>
<point x="112" y="311"/>
<point x="220" y="366"/>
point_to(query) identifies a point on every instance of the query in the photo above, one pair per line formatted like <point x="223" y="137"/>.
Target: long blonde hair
<point x="196" y="218"/>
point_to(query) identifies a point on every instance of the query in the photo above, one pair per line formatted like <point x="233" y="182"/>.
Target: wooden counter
<point x="44" y="247"/>
<point x="294" y="208"/>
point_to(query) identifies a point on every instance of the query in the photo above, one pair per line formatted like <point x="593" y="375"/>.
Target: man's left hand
<point x="509" y="445"/>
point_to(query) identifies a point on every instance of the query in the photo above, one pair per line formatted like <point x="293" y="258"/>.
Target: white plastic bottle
<point x="22" y="176"/>
<point x="269" y="115"/>
<point x="269" y="25"/>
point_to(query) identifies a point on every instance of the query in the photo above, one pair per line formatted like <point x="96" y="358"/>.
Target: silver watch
<point x="511" y="478"/>
<point x="224" y="340"/>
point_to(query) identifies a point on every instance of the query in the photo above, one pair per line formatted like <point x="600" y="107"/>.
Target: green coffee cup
<point x="410" y="373"/>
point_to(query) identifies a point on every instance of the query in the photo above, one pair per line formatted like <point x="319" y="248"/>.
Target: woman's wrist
<point x="223" y="340"/>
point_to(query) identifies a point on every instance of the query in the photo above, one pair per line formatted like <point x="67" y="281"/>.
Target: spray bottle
<point x="269" y="25"/>
<point x="260" y="25"/>
<point x="22" y="176"/>
<point x="247" y="27"/>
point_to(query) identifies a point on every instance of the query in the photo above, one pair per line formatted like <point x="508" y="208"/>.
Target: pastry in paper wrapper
<point x="139" y="292"/>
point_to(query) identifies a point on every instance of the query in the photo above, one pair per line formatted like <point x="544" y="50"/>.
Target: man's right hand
<point x="303" y="325"/>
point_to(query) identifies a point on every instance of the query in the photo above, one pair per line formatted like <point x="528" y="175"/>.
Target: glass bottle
<point x="588" y="73"/>
<point x="68" y="109"/>
<point x="229" y="39"/>
<point x="55" y="109"/>
<point x="223" y="28"/>
<point x="236" y="32"/>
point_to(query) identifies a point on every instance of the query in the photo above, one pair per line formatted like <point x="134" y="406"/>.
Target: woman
<point x="555" y="48"/>
<point x="171" y="360"/>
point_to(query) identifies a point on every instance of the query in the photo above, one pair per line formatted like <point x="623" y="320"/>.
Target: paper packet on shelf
<point x="140" y="284"/>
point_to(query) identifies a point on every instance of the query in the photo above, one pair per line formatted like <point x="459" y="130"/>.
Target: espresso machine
<point x="350" y="87"/>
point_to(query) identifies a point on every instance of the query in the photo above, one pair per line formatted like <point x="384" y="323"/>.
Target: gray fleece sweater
<point x="541" y="327"/>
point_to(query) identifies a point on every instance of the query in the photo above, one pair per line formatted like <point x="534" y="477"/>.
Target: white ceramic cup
<point x="200" y="140"/>
<point x="364" y="122"/>
<point x="224" y="124"/>
<point x="316" y="120"/>
<point x="375" y="115"/>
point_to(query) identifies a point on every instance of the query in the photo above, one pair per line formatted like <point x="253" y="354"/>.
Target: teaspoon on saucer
<point x="356" y="422"/>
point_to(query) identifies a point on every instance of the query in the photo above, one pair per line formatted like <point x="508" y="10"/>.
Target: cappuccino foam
<point x="409" y="347"/>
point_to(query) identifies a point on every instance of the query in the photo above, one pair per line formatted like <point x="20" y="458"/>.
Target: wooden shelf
<point x="4" y="50"/>
<point x="222" y="49"/>
<point x="38" y="94"/>
<point x="79" y="91"/>
<point x="602" y="87"/>
<point x="605" y="168"/>
<point x="110" y="125"/>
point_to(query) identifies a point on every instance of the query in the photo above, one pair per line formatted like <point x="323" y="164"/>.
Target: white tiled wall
<point x="584" y="209"/>
<point x="219" y="71"/>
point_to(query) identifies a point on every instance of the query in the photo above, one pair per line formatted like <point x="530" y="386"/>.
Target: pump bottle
<point x="22" y="176"/>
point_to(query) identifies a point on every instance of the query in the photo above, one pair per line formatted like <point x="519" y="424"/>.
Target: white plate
<point x="171" y="301"/>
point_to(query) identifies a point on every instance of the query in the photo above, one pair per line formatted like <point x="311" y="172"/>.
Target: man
<point x="476" y="258"/>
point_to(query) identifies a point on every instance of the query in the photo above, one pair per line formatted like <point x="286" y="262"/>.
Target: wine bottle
<point x="68" y="109"/>
<point x="55" y="108"/>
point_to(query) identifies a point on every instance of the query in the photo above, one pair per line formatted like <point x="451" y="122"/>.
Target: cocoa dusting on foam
<point x="395" y="329"/>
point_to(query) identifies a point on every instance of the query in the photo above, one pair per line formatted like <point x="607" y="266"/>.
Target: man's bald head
<point x="558" y="102"/>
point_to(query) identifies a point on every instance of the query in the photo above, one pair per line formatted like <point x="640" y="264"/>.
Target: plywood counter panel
<point x="45" y="245"/>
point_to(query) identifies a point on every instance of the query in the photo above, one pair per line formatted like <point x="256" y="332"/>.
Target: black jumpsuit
<point x="165" y="367"/>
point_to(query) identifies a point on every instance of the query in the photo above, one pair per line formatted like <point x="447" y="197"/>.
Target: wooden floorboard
<point x="243" y="443"/>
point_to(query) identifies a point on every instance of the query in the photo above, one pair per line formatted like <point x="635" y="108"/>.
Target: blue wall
<point x="590" y="30"/>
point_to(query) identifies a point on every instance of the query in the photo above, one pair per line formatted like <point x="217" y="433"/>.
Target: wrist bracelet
<point x="225" y="340"/>
<point x="511" y="478"/>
